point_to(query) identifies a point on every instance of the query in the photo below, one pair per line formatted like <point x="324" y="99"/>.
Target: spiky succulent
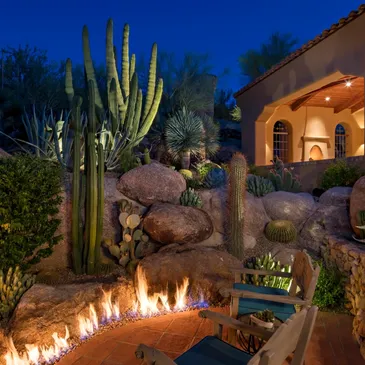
<point x="259" y="186"/>
<point x="191" y="198"/>
<point x="280" y="231"/>
<point x="12" y="286"/>
<point x="215" y="178"/>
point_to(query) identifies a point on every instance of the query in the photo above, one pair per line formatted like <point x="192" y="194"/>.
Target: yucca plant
<point x="183" y="135"/>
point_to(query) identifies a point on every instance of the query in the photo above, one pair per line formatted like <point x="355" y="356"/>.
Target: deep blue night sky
<point x="224" y="30"/>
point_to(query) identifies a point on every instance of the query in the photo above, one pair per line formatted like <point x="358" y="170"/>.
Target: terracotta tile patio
<point x="331" y="344"/>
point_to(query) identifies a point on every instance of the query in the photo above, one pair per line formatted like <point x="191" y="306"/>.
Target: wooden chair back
<point x="292" y="336"/>
<point x="304" y="276"/>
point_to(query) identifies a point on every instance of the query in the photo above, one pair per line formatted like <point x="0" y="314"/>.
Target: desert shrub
<point x="29" y="201"/>
<point x="204" y="168"/>
<point x="340" y="173"/>
<point x="330" y="290"/>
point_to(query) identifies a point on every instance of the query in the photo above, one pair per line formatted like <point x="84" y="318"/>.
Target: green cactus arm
<point x="129" y="125"/>
<point x="147" y="122"/>
<point x="151" y="83"/>
<point x="113" y="105"/>
<point x="125" y="61"/>
<point x="132" y="66"/>
<point x="68" y="82"/>
<point x="112" y="72"/>
<point x="89" y="68"/>
<point x="287" y="180"/>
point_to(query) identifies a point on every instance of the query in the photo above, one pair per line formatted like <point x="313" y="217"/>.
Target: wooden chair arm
<point x="226" y="292"/>
<point x="245" y="270"/>
<point x="223" y="320"/>
<point x="152" y="356"/>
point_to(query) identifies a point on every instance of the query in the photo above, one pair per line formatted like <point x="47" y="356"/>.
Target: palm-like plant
<point x="183" y="134"/>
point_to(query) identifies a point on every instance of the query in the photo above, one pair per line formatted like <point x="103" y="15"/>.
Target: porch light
<point x="348" y="83"/>
<point x="327" y="98"/>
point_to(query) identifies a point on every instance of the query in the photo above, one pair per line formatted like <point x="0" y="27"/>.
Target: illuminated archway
<point x="316" y="153"/>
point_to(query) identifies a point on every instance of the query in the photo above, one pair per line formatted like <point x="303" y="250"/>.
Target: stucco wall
<point x="314" y="122"/>
<point x="342" y="53"/>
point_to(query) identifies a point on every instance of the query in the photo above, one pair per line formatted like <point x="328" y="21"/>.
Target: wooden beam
<point x="350" y="103"/>
<point x="304" y="99"/>
<point x="357" y="107"/>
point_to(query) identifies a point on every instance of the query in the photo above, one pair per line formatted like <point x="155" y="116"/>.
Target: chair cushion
<point x="212" y="351"/>
<point x="249" y="305"/>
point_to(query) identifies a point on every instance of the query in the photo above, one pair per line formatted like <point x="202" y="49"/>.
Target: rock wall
<point x="350" y="259"/>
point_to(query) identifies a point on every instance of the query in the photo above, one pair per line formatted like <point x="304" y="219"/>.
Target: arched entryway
<point x="281" y="141"/>
<point x="316" y="153"/>
<point x="340" y="141"/>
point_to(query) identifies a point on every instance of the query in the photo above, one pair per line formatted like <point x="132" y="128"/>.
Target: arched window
<point x="281" y="141"/>
<point x="340" y="141"/>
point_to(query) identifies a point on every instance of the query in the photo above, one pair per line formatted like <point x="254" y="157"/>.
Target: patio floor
<point x="331" y="343"/>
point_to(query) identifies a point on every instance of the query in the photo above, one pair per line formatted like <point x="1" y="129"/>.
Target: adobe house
<point x="311" y="105"/>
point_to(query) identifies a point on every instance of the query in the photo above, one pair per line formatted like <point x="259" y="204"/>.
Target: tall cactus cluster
<point x="12" y="286"/>
<point x="237" y="189"/>
<point x="87" y="190"/>
<point x="267" y="262"/>
<point x="127" y="119"/>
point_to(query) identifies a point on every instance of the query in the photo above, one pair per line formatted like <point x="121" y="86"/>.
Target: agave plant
<point x="183" y="133"/>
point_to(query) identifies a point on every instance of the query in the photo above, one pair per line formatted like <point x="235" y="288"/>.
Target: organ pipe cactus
<point x="13" y="285"/>
<point x="128" y="119"/>
<point x="87" y="239"/>
<point x="237" y="190"/>
<point x="267" y="262"/>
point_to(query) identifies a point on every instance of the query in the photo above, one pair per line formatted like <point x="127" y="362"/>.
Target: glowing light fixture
<point x="327" y="98"/>
<point x="348" y="83"/>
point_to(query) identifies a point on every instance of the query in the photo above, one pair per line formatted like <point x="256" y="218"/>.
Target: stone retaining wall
<point x="350" y="259"/>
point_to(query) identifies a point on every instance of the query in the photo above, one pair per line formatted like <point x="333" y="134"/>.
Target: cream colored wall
<point x="321" y="123"/>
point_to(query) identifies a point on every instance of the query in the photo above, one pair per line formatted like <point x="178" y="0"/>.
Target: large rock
<point x="152" y="183"/>
<point x="357" y="202"/>
<point x="168" y="223"/>
<point x="289" y="206"/>
<point x="256" y="217"/>
<point x="208" y="270"/>
<point x="338" y="196"/>
<point x="326" y="219"/>
<point x="45" y="309"/>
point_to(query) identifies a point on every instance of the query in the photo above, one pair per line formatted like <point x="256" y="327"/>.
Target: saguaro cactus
<point x="237" y="190"/>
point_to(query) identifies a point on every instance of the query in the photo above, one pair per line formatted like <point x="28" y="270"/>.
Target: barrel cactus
<point x="191" y="198"/>
<point x="281" y="231"/>
<point x="12" y="286"/>
<point x="215" y="178"/>
<point x="259" y="186"/>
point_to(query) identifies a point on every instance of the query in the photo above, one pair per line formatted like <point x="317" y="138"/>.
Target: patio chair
<point x="247" y="299"/>
<point x="292" y="336"/>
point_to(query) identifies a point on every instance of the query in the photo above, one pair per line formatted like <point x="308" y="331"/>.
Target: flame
<point x="146" y="305"/>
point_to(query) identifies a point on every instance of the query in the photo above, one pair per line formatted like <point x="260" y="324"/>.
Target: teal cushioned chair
<point x="292" y="336"/>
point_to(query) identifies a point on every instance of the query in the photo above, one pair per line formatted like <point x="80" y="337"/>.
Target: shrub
<point x="204" y="168"/>
<point x="29" y="200"/>
<point x="330" y="290"/>
<point x="340" y="173"/>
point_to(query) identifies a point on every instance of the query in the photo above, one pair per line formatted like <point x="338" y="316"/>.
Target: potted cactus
<point x="263" y="319"/>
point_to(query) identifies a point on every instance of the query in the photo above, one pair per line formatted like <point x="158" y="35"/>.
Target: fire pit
<point x="145" y="306"/>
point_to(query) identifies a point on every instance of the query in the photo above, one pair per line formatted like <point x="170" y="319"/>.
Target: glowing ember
<point x="145" y="306"/>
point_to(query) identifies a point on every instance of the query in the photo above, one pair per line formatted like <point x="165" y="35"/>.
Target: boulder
<point x="326" y="219"/>
<point x="256" y="217"/>
<point x="357" y="202"/>
<point x="208" y="270"/>
<point x="45" y="309"/>
<point x="152" y="183"/>
<point x="338" y="196"/>
<point x="289" y="206"/>
<point x="4" y="154"/>
<point x="168" y="223"/>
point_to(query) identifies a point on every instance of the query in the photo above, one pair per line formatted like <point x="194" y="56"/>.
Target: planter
<point x="260" y="323"/>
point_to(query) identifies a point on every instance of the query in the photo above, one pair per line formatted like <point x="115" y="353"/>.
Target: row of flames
<point x="145" y="306"/>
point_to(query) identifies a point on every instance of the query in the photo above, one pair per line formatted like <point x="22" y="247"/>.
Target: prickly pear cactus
<point x="132" y="234"/>
<point x="259" y="186"/>
<point x="267" y="262"/>
<point x="12" y="286"/>
<point x="190" y="198"/>
<point x="280" y="231"/>
<point x="282" y="178"/>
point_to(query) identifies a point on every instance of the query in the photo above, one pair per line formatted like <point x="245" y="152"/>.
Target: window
<point x="281" y="141"/>
<point x="340" y="141"/>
